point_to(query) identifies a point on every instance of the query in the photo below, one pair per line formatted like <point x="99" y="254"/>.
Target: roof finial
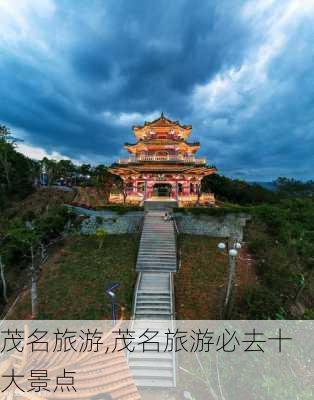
<point x="162" y="115"/>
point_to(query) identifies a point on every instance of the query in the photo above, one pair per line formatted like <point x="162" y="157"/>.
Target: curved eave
<point x="161" y="121"/>
<point x="141" y="133"/>
<point x="134" y="148"/>
<point x="121" y="171"/>
<point x="202" y="170"/>
<point x="137" y="169"/>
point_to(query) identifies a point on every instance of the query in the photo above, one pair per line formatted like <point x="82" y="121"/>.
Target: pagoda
<point x="163" y="165"/>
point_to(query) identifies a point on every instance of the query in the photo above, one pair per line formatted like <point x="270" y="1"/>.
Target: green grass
<point x="201" y="280"/>
<point x="72" y="283"/>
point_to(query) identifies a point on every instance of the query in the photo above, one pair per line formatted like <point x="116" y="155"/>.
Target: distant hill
<point x="266" y="185"/>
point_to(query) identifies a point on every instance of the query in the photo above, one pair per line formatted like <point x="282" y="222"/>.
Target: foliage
<point x="101" y="234"/>
<point x="237" y="191"/>
<point x="71" y="285"/>
<point x="16" y="171"/>
<point x="280" y="238"/>
<point x="200" y="282"/>
<point x="26" y="232"/>
<point x="287" y="187"/>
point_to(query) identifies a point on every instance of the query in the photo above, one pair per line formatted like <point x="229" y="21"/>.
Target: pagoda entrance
<point x="162" y="189"/>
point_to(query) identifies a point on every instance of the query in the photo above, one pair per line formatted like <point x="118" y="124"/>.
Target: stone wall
<point x="230" y="225"/>
<point x="112" y="222"/>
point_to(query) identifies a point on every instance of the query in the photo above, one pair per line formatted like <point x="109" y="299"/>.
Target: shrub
<point x="261" y="303"/>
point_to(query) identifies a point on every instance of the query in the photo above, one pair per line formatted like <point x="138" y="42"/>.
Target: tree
<point x="65" y="168"/>
<point x="6" y="146"/>
<point x="16" y="170"/>
<point x="3" y="251"/>
<point x="29" y="238"/>
<point x="237" y="191"/>
<point x="51" y="167"/>
<point x="101" y="235"/>
<point x="287" y="187"/>
<point x="85" y="169"/>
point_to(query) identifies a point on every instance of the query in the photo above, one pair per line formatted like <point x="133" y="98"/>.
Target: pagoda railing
<point x="187" y="160"/>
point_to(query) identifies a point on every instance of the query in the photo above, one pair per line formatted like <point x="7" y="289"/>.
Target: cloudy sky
<point x="75" y="75"/>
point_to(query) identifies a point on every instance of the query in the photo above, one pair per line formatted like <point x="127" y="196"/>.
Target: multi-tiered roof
<point x="162" y="146"/>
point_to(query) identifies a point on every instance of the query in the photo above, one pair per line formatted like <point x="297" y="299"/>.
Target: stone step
<point x="138" y="354"/>
<point x="156" y="306"/>
<point x="156" y="373"/>
<point x="148" y="283"/>
<point x="161" y="256"/>
<point x="151" y="364"/>
<point x="152" y="295"/>
<point x="155" y="299"/>
<point x="152" y="313"/>
<point x="150" y="302"/>
<point x="149" y="268"/>
<point x="158" y="243"/>
<point x="161" y="314"/>
<point x="156" y="269"/>
<point x="153" y="278"/>
<point x="157" y="249"/>
<point x="154" y="290"/>
<point x="161" y="383"/>
<point x="158" y="236"/>
<point x="162" y="286"/>
<point x="159" y="301"/>
<point x="158" y="253"/>
<point x="161" y="252"/>
<point x="157" y="260"/>
<point x="155" y="228"/>
<point x="165" y="228"/>
<point x="164" y="231"/>
<point x="155" y="263"/>
<point x="156" y="278"/>
<point x="155" y="240"/>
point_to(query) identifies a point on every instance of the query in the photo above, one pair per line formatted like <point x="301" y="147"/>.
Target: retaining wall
<point x="230" y="225"/>
<point x="112" y="222"/>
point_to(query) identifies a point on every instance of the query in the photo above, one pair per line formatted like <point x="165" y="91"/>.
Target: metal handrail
<point x="177" y="247"/>
<point x="172" y="302"/>
<point x="138" y="280"/>
<point x="172" y="295"/>
<point x="139" y="276"/>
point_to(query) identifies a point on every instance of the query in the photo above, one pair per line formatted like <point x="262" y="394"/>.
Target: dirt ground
<point x="200" y="283"/>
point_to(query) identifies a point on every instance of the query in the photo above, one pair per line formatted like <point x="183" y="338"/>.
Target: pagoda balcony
<point x="169" y="158"/>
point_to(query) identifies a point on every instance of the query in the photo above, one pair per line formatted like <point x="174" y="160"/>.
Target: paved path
<point x="153" y="300"/>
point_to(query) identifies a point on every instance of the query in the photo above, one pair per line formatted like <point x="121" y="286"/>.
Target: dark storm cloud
<point x="76" y="75"/>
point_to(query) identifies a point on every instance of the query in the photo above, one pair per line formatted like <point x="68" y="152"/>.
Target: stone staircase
<point x="157" y="250"/>
<point x="151" y="368"/>
<point x="153" y="301"/>
<point x="154" y="296"/>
